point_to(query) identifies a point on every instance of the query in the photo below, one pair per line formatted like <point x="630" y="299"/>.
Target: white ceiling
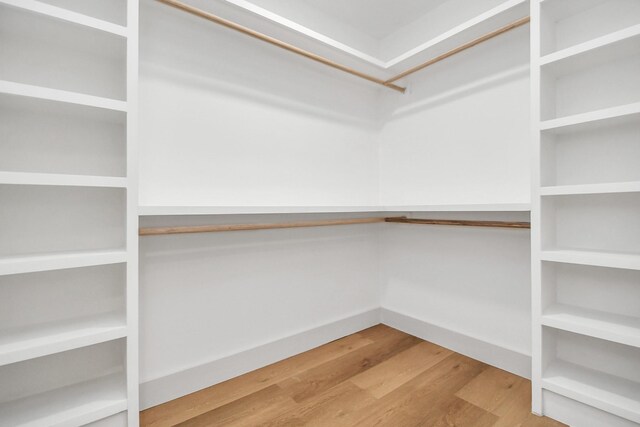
<point x="376" y="18"/>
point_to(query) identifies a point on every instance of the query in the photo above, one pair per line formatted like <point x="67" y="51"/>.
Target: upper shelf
<point x="486" y="22"/>
<point x="490" y="20"/>
<point x="66" y="15"/>
<point x="256" y="210"/>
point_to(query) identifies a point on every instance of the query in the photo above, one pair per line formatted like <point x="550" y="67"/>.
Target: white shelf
<point x="256" y="210"/>
<point x="26" y="178"/>
<point x="30" y="91"/>
<point x="598" y="324"/>
<point x="595" y="258"/>
<point x="607" y="392"/>
<point x="608" y="188"/>
<point x="59" y="261"/>
<point x="41" y="340"/>
<point x="74" y="405"/>
<point x="490" y="20"/>
<point x="497" y="17"/>
<point x="38" y="7"/>
<point x="242" y="210"/>
<point x="479" y="207"/>
<point x="602" y="50"/>
<point x="625" y="113"/>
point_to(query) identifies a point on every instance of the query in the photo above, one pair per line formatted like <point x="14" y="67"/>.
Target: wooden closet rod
<point x="386" y="83"/>
<point x="155" y="231"/>
<point x="460" y="48"/>
<point x="460" y="222"/>
<point x="279" y="43"/>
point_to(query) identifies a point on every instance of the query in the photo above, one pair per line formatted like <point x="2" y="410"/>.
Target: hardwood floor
<point x="377" y="377"/>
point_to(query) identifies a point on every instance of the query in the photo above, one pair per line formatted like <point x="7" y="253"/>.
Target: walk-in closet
<point x="320" y="213"/>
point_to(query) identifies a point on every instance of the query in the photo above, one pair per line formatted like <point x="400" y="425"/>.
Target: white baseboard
<point x="492" y="354"/>
<point x="160" y="390"/>
<point x="178" y="384"/>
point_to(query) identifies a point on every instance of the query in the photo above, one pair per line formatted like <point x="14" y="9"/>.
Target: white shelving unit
<point x="71" y="306"/>
<point x="586" y="185"/>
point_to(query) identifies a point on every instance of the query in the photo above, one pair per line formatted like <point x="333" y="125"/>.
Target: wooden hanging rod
<point x="156" y="231"/>
<point x="460" y="222"/>
<point x="460" y="48"/>
<point x="279" y="43"/>
<point x="386" y="83"/>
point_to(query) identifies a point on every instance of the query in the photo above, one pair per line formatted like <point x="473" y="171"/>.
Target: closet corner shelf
<point x="608" y="188"/>
<point x="600" y="50"/>
<point x="45" y="9"/>
<point x="479" y="207"/>
<point x="595" y="258"/>
<point x="150" y="210"/>
<point x="39" y="92"/>
<point x="59" y="261"/>
<point x="250" y="210"/>
<point x="501" y="15"/>
<point x="26" y="178"/>
<point x="41" y="340"/>
<point x="627" y="112"/>
<point x="598" y="324"/>
<point x="76" y="405"/>
<point x="612" y="394"/>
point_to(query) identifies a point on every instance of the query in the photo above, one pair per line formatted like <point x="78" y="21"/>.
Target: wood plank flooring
<point x="377" y="377"/>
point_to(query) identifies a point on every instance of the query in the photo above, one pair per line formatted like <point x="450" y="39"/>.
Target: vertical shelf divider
<point x="132" y="366"/>
<point x="536" y="238"/>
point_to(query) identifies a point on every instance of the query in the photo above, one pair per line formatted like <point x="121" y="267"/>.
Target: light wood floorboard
<point x="377" y="377"/>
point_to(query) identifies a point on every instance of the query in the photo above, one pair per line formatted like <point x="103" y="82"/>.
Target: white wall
<point x="205" y="297"/>
<point x="461" y="134"/>
<point x="226" y="120"/>
<point x="473" y="282"/>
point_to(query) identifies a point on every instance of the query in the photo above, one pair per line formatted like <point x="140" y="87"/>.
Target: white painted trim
<point x="493" y="354"/>
<point x="165" y="388"/>
<point x="177" y="384"/>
